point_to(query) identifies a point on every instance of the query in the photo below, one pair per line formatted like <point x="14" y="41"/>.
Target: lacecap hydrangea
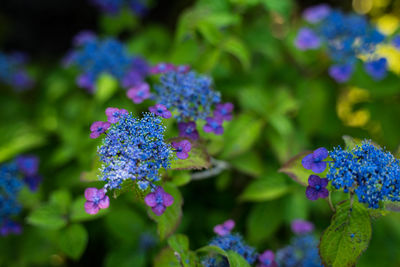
<point x="14" y="176"/>
<point x="132" y="149"/>
<point x="189" y="96"/>
<point x="94" y="56"/>
<point x="13" y="71"/>
<point x="371" y="172"/>
<point x="347" y="37"/>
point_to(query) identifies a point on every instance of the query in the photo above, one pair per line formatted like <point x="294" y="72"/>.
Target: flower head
<point x="341" y="73"/>
<point x="316" y="13"/>
<point x="159" y="200"/>
<point x="396" y="42"/>
<point x="139" y="93"/>
<point x="189" y="94"/>
<point x="84" y="37"/>
<point x="188" y="129"/>
<point x="224" y="228"/>
<point x="371" y="172"/>
<point x="96" y="199"/>
<point x="160" y="110"/>
<point x="182" y="148"/>
<point x="134" y="149"/>
<point x="223" y="111"/>
<point x="214" y="125"/>
<point x="267" y="259"/>
<point x="98" y="127"/>
<point x="317" y="187"/>
<point x="377" y="69"/>
<point x="161" y="68"/>
<point x="307" y="39"/>
<point x="114" y="114"/>
<point x="13" y="71"/>
<point x="314" y="161"/>
<point x="301" y="227"/>
<point x="114" y="7"/>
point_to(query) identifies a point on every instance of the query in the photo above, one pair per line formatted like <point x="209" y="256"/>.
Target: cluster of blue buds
<point x="303" y="248"/>
<point x="13" y="71"/>
<point x="13" y="176"/>
<point x="372" y="173"/>
<point x="347" y="37"/>
<point x="228" y="242"/>
<point x="114" y="7"/>
<point x="94" y="56"/>
<point x="189" y="96"/>
<point x="132" y="149"/>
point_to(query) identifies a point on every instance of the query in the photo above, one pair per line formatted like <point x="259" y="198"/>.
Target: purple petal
<point x="166" y="114"/>
<point x="311" y="193"/>
<point x="91" y="193"/>
<point x="150" y="200"/>
<point x="186" y="145"/>
<point x="220" y="230"/>
<point x="159" y="209"/>
<point x="229" y="224"/>
<point x="267" y="255"/>
<point x="307" y="161"/>
<point x="182" y="155"/>
<point x="104" y="202"/>
<point x="314" y="180"/>
<point x="219" y="130"/>
<point x="323" y="193"/>
<point x="302" y="227"/>
<point x="91" y="208"/>
<point x="168" y="200"/>
<point x="110" y="111"/>
<point x="207" y="128"/>
<point x="94" y="135"/>
<point x="324" y="182"/>
<point x="320" y="153"/>
<point x="318" y="167"/>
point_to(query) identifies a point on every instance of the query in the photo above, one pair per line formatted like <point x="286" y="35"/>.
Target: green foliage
<point x="106" y="86"/>
<point x="47" y="216"/>
<point x="73" y="240"/>
<point x="347" y="236"/>
<point x="180" y="244"/>
<point x="266" y="188"/>
<point x="198" y="158"/>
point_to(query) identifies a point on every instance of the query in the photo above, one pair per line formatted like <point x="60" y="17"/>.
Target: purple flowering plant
<point x="367" y="178"/>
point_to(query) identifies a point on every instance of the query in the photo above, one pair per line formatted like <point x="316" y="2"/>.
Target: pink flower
<point x="182" y="148"/>
<point x="139" y="93"/>
<point x="96" y="200"/>
<point x="113" y="114"/>
<point x="224" y="228"/>
<point x="98" y="127"/>
<point x="159" y="200"/>
<point x="160" y="110"/>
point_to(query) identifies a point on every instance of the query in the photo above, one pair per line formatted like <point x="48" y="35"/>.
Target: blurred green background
<point x="285" y="103"/>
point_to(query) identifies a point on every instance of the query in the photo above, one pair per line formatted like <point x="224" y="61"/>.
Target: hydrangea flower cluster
<point x="114" y="7"/>
<point x="13" y="72"/>
<point x="132" y="149"/>
<point x="13" y="176"/>
<point x="372" y="173"/>
<point x="347" y="37"/>
<point x="94" y="56"/>
<point x="303" y="248"/>
<point x="227" y="242"/>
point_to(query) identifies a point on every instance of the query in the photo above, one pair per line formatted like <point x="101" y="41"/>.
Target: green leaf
<point x="115" y="24"/>
<point x="198" y="158"/>
<point x="180" y="178"/>
<point x="236" y="260"/>
<point x="47" y="216"/>
<point x="265" y="188"/>
<point x="212" y="250"/>
<point x="260" y="224"/>
<point x="180" y="244"/>
<point x="78" y="213"/>
<point x="295" y="170"/>
<point x="73" y="240"/>
<point x="62" y="199"/>
<point x="347" y="236"/>
<point x="282" y="7"/>
<point x="106" y="86"/>
<point x="351" y="142"/>
<point x="210" y="32"/>
<point x="249" y="163"/>
<point x="170" y="219"/>
<point x="241" y="134"/>
<point x="166" y="257"/>
<point x="236" y="47"/>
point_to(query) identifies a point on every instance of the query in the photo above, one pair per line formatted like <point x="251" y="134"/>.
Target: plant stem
<point x="218" y="167"/>
<point x="330" y="203"/>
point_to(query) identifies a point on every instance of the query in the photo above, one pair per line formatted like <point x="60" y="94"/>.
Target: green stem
<point x="330" y="202"/>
